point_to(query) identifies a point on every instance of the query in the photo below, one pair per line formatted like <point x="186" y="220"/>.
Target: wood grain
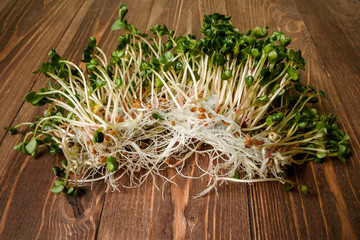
<point x="326" y="206"/>
<point x="178" y="215"/>
<point x="325" y="209"/>
<point x="325" y="31"/>
<point x="29" y="29"/>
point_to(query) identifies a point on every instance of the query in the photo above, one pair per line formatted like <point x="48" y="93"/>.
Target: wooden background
<point x="327" y="31"/>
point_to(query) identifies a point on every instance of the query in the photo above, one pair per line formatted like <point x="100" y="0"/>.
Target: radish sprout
<point x="157" y="100"/>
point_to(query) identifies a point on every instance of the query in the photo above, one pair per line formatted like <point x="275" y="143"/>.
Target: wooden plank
<point x="29" y="30"/>
<point x="270" y="217"/>
<point x="6" y="6"/>
<point x="262" y="211"/>
<point x="331" y="210"/>
<point x="51" y="215"/>
<point x="16" y="63"/>
<point x="142" y="208"/>
<point x="337" y="45"/>
<point x="93" y="19"/>
<point x="177" y="215"/>
<point x="336" y="38"/>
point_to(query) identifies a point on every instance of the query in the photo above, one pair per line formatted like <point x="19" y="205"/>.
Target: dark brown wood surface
<point x="327" y="31"/>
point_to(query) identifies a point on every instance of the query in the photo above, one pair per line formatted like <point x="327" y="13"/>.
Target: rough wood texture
<point x="326" y="31"/>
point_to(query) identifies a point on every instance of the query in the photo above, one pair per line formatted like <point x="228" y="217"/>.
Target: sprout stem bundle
<point x="158" y="99"/>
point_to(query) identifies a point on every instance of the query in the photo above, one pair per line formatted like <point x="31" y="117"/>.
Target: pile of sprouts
<point x="158" y="99"/>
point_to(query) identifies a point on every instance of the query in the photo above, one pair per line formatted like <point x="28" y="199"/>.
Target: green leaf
<point x="169" y="56"/>
<point x="226" y="74"/>
<point x="31" y="146"/>
<point x="122" y="12"/>
<point x="268" y="48"/>
<point x="92" y="43"/>
<point x="90" y="67"/>
<point x="304" y="189"/>
<point x="196" y="75"/>
<point x="163" y="59"/>
<point x="180" y="46"/>
<point x="29" y="97"/>
<point x="94" y="61"/>
<point x="282" y="91"/>
<point x="283" y="41"/>
<point x="236" y="175"/>
<point x="144" y="65"/>
<point x="98" y="136"/>
<point x="272" y="56"/>
<point x="23" y="148"/>
<point x="334" y="126"/>
<point x="122" y="42"/>
<point x="277" y="116"/>
<point x="249" y="80"/>
<point x="323" y="94"/>
<point x="99" y="83"/>
<point x="12" y="130"/>
<point x="341" y="158"/>
<point x="155" y="28"/>
<point x="57" y="189"/>
<point x="54" y="148"/>
<point x="219" y="59"/>
<point x="255" y="52"/>
<point x="291" y="54"/>
<point x="118" y="25"/>
<point x="320" y="154"/>
<point x="64" y="163"/>
<point x="157" y="116"/>
<point x="118" y="82"/>
<point x="257" y="32"/>
<point x="117" y="54"/>
<point x="299" y="60"/>
<point x="346" y="137"/>
<point x="76" y="193"/>
<point x="56" y="170"/>
<point x="293" y="73"/>
<point x="313" y="111"/>
<point x="288" y="186"/>
<point x="70" y="190"/>
<point x="158" y="82"/>
<point x="168" y="65"/>
<point x="342" y="150"/>
<point x="171" y="33"/>
<point x="178" y="66"/>
<point x="264" y="98"/>
<point x="319" y="125"/>
<point x="59" y="182"/>
<point x="19" y="146"/>
<point x="264" y="71"/>
<point x="154" y="61"/>
<point x="112" y="165"/>
<point x="269" y="120"/>
<point x="312" y="88"/>
<point x="302" y="124"/>
<point x="322" y="118"/>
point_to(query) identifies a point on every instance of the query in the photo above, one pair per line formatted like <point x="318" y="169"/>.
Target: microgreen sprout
<point x="161" y="96"/>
